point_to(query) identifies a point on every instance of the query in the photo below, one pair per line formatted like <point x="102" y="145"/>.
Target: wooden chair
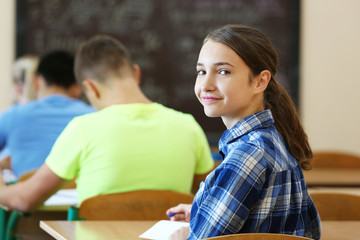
<point x="334" y="169"/>
<point x="135" y="205"/>
<point x="323" y="159"/>
<point x="258" y="236"/>
<point x="337" y="206"/>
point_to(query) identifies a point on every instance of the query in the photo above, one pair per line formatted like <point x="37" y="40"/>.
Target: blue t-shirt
<point x="30" y="130"/>
<point x="259" y="186"/>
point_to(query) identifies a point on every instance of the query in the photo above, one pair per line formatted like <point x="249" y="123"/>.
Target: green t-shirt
<point x="131" y="147"/>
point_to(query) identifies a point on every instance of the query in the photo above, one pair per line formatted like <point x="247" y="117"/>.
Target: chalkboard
<point x="163" y="37"/>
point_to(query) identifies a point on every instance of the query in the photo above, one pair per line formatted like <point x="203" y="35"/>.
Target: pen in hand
<point x="170" y="215"/>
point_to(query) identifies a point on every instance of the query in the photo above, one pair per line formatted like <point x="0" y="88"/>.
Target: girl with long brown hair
<point x="259" y="186"/>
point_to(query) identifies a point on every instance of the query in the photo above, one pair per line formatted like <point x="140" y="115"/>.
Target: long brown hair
<point x="258" y="53"/>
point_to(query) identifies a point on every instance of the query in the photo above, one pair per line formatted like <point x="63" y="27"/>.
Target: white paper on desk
<point x="8" y="176"/>
<point x="63" y="197"/>
<point x="163" y="229"/>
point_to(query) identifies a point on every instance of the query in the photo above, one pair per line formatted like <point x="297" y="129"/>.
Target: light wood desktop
<point x="333" y="177"/>
<point x="71" y="230"/>
<point x="348" y="190"/>
<point x="129" y="230"/>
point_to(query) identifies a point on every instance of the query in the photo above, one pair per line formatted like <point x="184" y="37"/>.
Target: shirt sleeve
<point x="5" y="125"/>
<point x="224" y="201"/>
<point x="205" y="162"/>
<point x="64" y="158"/>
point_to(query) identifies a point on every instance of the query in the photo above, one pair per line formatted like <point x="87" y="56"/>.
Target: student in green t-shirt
<point x="130" y="143"/>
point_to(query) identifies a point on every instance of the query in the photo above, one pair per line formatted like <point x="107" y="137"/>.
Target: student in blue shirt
<point x="259" y="186"/>
<point x="29" y="130"/>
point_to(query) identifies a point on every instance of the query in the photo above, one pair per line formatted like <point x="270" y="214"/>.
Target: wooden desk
<point x="332" y="177"/>
<point x="77" y="230"/>
<point x="340" y="230"/>
<point x="60" y="201"/>
<point x="54" y="208"/>
<point x="347" y="190"/>
<point x="72" y="230"/>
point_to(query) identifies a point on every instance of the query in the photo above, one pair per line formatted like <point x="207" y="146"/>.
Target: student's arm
<point x="27" y="195"/>
<point x="182" y="212"/>
<point x="5" y="163"/>
<point x="2" y="183"/>
<point x="198" y="178"/>
<point x="238" y="183"/>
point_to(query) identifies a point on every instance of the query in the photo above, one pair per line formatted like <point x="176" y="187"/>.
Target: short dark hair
<point x="102" y="57"/>
<point x="57" y="68"/>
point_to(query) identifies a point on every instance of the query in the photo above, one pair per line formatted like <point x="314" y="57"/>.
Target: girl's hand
<point x="180" y="234"/>
<point x="182" y="212"/>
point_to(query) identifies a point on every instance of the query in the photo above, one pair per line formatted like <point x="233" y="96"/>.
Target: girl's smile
<point x="223" y="84"/>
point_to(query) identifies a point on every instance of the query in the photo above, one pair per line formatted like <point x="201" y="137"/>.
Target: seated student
<point x="130" y="144"/>
<point x="29" y="130"/>
<point x="259" y="186"/>
<point x="24" y="70"/>
<point x="23" y="91"/>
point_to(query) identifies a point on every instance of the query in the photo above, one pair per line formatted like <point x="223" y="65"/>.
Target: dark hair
<point x="102" y="57"/>
<point x="57" y="68"/>
<point x="258" y="53"/>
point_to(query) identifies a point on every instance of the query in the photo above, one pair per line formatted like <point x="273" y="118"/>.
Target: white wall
<point x="330" y="76"/>
<point x="330" y="80"/>
<point x="7" y="49"/>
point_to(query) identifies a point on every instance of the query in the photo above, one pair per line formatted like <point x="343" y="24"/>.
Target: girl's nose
<point x="208" y="84"/>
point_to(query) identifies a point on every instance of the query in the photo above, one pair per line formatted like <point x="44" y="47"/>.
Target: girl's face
<point x="223" y="84"/>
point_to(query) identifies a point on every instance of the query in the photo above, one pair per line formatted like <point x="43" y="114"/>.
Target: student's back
<point x="131" y="147"/>
<point x="131" y="143"/>
<point x="29" y="130"/>
<point x="23" y="90"/>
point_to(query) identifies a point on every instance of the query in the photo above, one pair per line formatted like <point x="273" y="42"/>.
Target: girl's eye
<point x="200" y="72"/>
<point x="223" y="72"/>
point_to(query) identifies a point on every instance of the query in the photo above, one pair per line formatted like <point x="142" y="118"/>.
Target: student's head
<point x="245" y="57"/>
<point x="105" y="71"/>
<point x="103" y="58"/>
<point x="23" y="73"/>
<point x="236" y="77"/>
<point x="57" y="69"/>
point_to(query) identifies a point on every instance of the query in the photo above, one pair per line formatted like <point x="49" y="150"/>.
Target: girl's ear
<point x="261" y="81"/>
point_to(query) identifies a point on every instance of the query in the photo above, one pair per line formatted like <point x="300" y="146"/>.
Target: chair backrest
<point x="135" y="205"/>
<point x="337" y="206"/>
<point x="335" y="160"/>
<point x="258" y="236"/>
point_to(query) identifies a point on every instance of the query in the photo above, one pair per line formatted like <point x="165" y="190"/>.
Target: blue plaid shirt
<point x="259" y="187"/>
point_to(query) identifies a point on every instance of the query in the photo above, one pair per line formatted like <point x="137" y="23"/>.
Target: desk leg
<point x="3" y="219"/>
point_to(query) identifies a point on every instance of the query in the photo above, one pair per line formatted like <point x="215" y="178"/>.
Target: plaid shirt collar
<point x="244" y="126"/>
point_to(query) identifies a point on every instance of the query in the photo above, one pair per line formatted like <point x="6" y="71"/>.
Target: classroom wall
<point x="7" y="36"/>
<point x="330" y="77"/>
<point x="329" y="80"/>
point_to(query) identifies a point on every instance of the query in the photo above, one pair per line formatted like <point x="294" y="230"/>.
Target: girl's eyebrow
<point x="216" y="64"/>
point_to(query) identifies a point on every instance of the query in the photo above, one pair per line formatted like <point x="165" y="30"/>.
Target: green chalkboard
<point x="164" y="38"/>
